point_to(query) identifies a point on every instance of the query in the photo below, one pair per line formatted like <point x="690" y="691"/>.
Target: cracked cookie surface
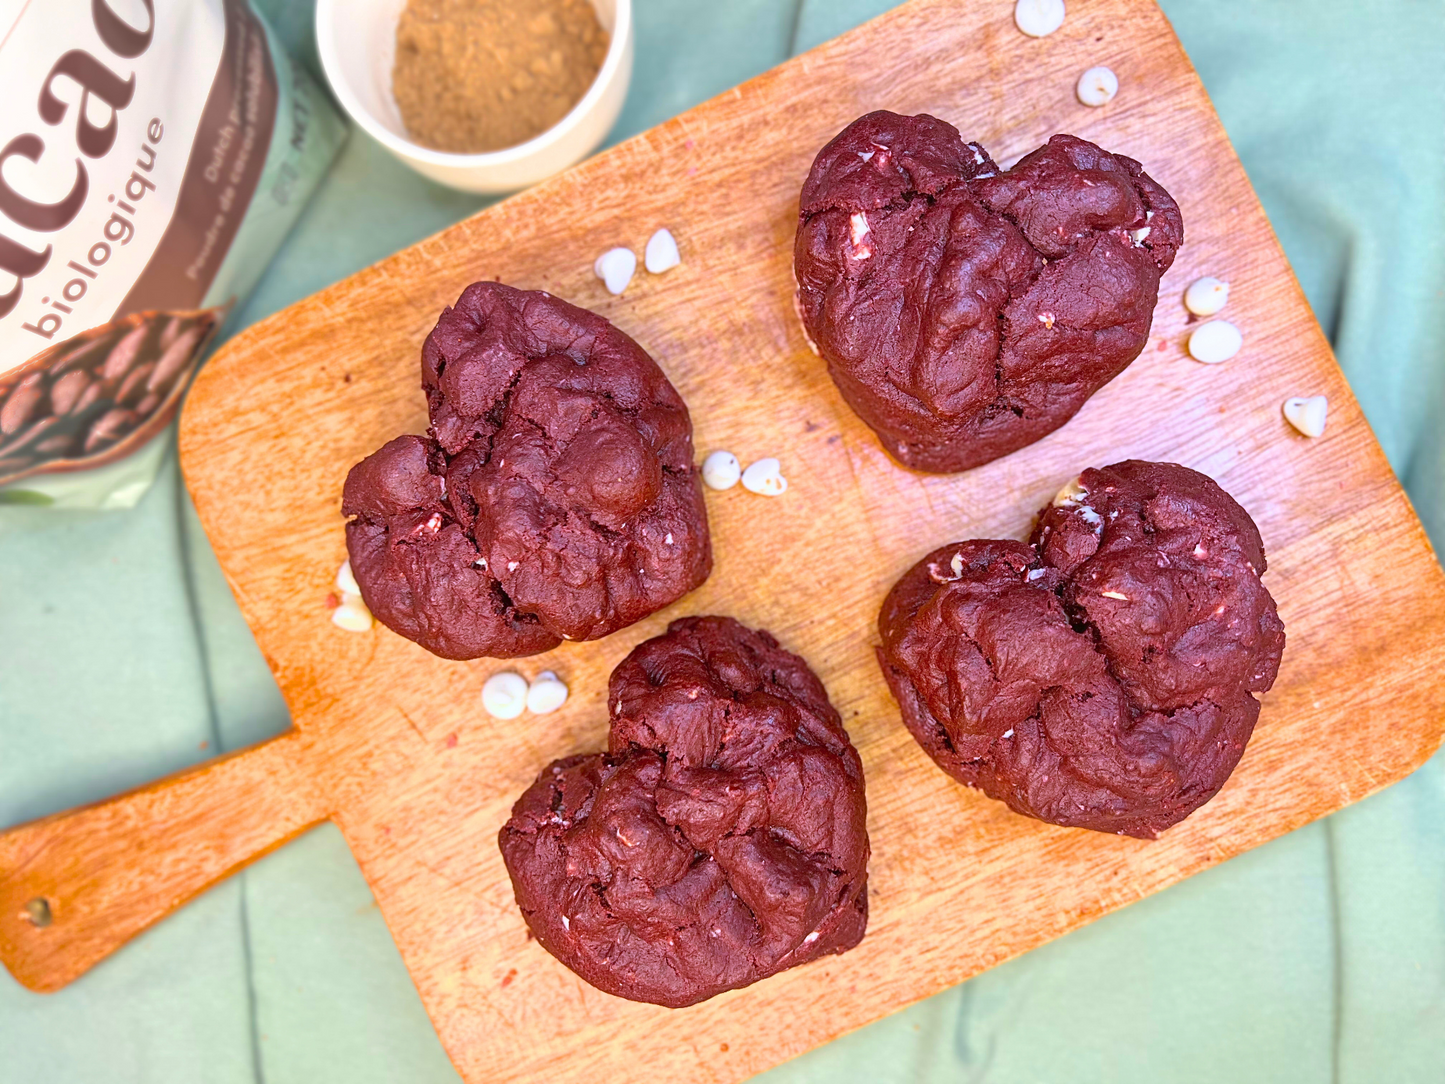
<point x="719" y="840"/>
<point x="555" y="496"/>
<point x="1100" y="676"/>
<point x="965" y="312"/>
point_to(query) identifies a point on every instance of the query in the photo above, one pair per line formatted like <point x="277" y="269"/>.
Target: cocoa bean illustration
<point x="124" y="353"/>
<point x="67" y="390"/>
<point x="108" y="428"/>
<point x="135" y="382"/>
<point x="21" y="403"/>
<point x="177" y="355"/>
<point x="100" y="395"/>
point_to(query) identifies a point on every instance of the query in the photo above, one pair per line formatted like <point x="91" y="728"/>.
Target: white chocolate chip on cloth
<point x="1308" y="414"/>
<point x="1097" y="86"/>
<point x="721" y="470"/>
<point x="765" y="477"/>
<point x="615" y="268"/>
<point x="1206" y="296"/>
<point x="504" y="695"/>
<point x="1039" y="18"/>
<point x="1215" y="342"/>
<point x="661" y="253"/>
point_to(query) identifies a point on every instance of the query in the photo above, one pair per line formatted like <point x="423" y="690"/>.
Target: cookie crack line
<point x="1113" y="730"/>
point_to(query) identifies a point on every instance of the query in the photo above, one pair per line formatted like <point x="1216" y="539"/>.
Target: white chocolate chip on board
<point x="1215" y="342"/>
<point x="546" y="694"/>
<point x="661" y="253"/>
<point x="615" y="268"/>
<point x="504" y="696"/>
<point x="1308" y="414"/>
<point x="765" y="477"/>
<point x="1097" y="86"/>
<point x="1039" y="18"/>
<point x="345" y="581"/>
<point x="1206" y="296"/>
<point x="352" y="615"/>
<point x="721" y="470"/>
<point x="1071" y="494"/>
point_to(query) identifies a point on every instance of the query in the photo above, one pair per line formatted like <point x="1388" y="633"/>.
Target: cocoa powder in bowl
<point x="481" y="75"/>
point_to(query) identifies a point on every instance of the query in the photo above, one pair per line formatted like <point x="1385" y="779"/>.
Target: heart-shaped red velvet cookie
<point x="966" y="312"/>
<point x="720" y="839"/>
<point x="1100" y="676"/>
<point x="554" y="498"/>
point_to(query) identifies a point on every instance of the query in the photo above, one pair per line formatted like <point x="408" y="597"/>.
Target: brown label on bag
<point x="132" y="139"/>
<point x="222" y="174"/>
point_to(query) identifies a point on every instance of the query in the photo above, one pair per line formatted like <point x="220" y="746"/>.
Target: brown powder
<point x="481" y="75"/>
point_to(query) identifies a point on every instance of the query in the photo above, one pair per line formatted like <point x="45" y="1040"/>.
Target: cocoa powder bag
<point x="153" y="154"/>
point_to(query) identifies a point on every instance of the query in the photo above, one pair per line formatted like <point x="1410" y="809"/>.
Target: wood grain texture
<point x="420" y="779"/>
<point x="101" y="875"/>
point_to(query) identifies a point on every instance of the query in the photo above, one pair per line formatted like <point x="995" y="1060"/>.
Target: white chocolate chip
<point x="1308" y="415"/>
<point x="857" y="236"/>
<point x="1214" y="342"/>
<point x="1206" y="296"/>
<point x="1097" y="86"/>
<point x="345" y="581"/>
<point x="1039" y="18"/>
<point x="1072" y="494"/>
<point x="661" y="253"/>
<point x="721" y="470"/>
<point x="352" y="615"/>
<point x="511" y="566"/>
<point x="615" y="268"/>
<point x="1008" y="733"/>
<point x="546" y="694"/>
<point x="1115" y="594"/>
<point x="765" y="477"/>
<point x="504" y="696"/>
<point x="1141" y="234"/>
<point x="957" y="565"/>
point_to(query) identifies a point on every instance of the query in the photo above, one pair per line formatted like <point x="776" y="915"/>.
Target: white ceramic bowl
<point x="357" y="40"/>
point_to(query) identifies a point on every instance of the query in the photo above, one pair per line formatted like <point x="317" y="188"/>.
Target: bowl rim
<point x="326" y="13"/>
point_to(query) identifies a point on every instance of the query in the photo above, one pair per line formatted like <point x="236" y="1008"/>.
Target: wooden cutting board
<point x="392" y="744"/>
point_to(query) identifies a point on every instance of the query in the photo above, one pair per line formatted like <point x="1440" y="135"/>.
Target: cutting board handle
<point x="76" y="886"/>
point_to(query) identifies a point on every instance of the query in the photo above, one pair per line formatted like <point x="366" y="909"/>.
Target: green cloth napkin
<point x="1319" y="957"/>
